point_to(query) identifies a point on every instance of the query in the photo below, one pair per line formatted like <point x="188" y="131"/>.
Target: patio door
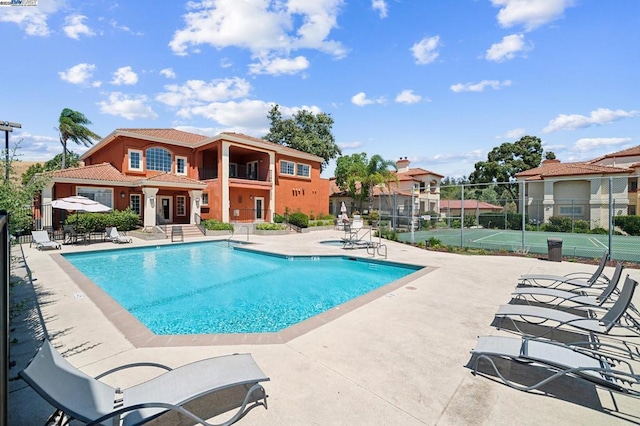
<point x="163" y="208"/>
<point x="258" y="208"/>
<point x="252" y="170"/>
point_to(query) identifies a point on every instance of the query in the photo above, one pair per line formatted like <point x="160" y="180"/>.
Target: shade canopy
<point x="79" y="203"/>
<point x="343" y="208"/>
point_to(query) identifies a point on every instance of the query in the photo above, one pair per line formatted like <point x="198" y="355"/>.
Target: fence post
<point x="5" y="250"/>
<point x="610" y="216"/>
<point x="462" y="217"/>
<point x="523" y="210"/>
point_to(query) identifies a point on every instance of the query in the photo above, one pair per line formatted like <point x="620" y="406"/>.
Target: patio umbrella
<point x="78" y="203"/>
<point x="343" y="209"/>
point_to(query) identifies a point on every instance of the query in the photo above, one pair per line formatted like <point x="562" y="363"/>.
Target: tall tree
<point x="508" y="159"/>
<point x="72" y="126"/>
<point x="358" y="176"/>
<point x="73" y="160"/>
<point x="305" y="131"/>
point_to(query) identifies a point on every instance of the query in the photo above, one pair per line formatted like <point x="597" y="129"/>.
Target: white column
<point x="548" y="200"/>
<point x="224" y="176"/>
<point x="46" y="198"/>
<point x="272" y="192"/>
<point x="196" y="200"/>
<point x="149" y="207"/>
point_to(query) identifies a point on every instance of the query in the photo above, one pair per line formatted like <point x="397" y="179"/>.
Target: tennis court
<point x="579" y="245"/>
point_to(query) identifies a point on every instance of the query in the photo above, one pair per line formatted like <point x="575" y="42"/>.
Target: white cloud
<point x="124" y="28"/>
<point x="130" y="107"/>
<point x="588" y="144"/>
<point x="74" y="26"/>
<point x="35" y="147"/>
<point x="198" y="92"/>
<point x="479" y="87"/>
<point x="241" y="116"/>
<point x="380" y="6"/>
<point x="507" y="48"/>
<point x="513" y="134"/>
<point x="408" y="97"/>
<point x="124" y="75"/>
<point x="80" y="74"/>
<point x="474" y="155"/>
<point x="361" y="99"/>
<point x="598" y="117"/>
<point x="530" y="13"/>
<point x="349" y="145"/>
<point x="279" y="66"/>
<point x="168" y="72"/>
<point x="426" y="50"/>
<point x="266" y="28"/>
<point x="32" y="20"/>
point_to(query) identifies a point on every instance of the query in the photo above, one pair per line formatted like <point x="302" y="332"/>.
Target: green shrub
<point x="387" y="233"/>
<point x="124" y="220"/>
<point x="270" y="227"/>
<point x="299" y="219"/>
<point x="581" y="226"/>
<point x="434" y="242"/>
<point x="214" y="225"/>
<point x="601" y="231"/>
<point x="278" y="218"/>
<point x="469" y="220"/>
<point x="330" y="222"/>
<point x="629" y="224"/>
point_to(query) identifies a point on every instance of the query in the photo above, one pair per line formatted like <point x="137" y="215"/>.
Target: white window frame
<point x="168" y="163"/>
<point x="80" y="190"/>
<point x="233" y="170"/>
<point x="298" y="165"/>
<point x="577" y="211"/>
<point x="140" y="160"/>
<point x="131" y="204"/>
<point x="205" y="198"/>
<point x="181" y="204"/>
<point x="282" y="168"/>
<point x="184" y="172"/>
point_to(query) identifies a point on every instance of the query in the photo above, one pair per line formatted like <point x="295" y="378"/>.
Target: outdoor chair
<point x="176" y="233"/>
<point x="75" y="395"/>
<point x="114" y="236"/>
<point x="556" y="298"/>
<point x="72" y="236"/>
<point x="604" y="370"/>
<point x="576" y="279"/>
<point x="617" y="315"/>
<point x="42" y="241"/>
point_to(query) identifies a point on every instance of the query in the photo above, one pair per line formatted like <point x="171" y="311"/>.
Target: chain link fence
<point x="589" y="216"/>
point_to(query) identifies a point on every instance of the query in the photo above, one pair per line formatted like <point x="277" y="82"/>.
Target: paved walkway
<point x="396" y="360"/>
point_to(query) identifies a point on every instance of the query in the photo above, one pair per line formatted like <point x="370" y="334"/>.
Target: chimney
<point x="553" y="161"/>
<point x="403" y="165"/>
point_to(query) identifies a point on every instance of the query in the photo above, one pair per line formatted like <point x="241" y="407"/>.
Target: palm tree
<point x="72" y="125"/>
<point x="377" y="172"/>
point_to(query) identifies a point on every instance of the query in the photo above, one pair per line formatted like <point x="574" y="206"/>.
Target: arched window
<point x="158" y="159"/>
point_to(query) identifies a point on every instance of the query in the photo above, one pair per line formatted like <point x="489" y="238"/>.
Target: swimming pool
<point x="207" y="287"/>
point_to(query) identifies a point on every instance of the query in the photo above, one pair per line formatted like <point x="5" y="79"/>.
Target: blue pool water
<point x="202" y="288"/>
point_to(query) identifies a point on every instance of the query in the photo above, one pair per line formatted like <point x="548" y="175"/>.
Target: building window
<point x="304" y="170"/>
<point x="101" y="195"/>
<point x="135" y="160"/>
<point x="181" y="165"/>
<point x="233" y="170"/>
<point x="287" y="168"/>
<point x="158" y="159"/>
<point x="205" y="198"/>
<point x="134" y="203"/>
<point x="180" y="205"/>
<point x="570" y="211"/>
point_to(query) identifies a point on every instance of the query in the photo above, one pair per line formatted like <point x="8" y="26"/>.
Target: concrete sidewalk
<point x="399" y="359"/>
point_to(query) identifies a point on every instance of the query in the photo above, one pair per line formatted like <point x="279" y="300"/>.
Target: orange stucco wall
<point x="308" y="195"/>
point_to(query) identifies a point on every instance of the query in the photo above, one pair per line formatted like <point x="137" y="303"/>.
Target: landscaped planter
<point x="221" y="233"/>
<point x="271" y="232"/>
<point x="320" y="228"/>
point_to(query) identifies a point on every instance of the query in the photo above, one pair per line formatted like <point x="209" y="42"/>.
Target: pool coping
<point x="141" y="337"/>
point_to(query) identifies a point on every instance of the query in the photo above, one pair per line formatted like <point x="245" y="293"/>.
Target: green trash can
<point x="554" y="247"/>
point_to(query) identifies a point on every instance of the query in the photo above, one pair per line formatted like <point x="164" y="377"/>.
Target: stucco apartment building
<point x="172" y="176"/>
<point x="417" y="184"/>
<point x="584" y="190"/>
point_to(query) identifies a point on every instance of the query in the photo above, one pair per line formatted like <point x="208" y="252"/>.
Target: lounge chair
<point x="42" y="241"/>
<point x="576" y="279"/>
<point x="557" y="297"/>
<point x="78" y="396"/>
<point x="561" y="360"/>
<point x="72" y="236"/>
<point x="614" y="316"/>
<point x="176" y="233"/>
<point x="114" y="236"/>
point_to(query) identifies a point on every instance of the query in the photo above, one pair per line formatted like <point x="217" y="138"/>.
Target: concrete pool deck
<point x="399" y="358"/>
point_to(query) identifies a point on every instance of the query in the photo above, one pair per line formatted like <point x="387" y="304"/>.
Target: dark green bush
<point x="496" y="221"/>
<point x="581" y="226"/>
<point x="469" y="220"/>
<point x="270" y="227"/>
<point x="433" y="242"/>
<point x="278" y="218"/>
<point x="214" y="225"/>
<point x="629" y="224"/>
<point x="124" y="220"/>
<point x="299" y="219"/>
<point x="599" y="231"/>
<point x="387" y="233"/>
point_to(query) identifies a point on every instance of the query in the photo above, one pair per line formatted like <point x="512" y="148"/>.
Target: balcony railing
<point x="236" y="172"/>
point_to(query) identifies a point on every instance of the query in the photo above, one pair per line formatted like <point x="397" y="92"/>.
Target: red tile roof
<point x="171" y="178"/>
<point x="629" y="152"/>
<point x="169" y="134"/>
<point x="103" y="171"/>
<point x="554" y="168"/>
<point x="468" y="204"/>
<point x="419" y="172"/>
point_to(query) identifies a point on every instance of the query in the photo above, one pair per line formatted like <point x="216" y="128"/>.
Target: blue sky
<point x="440" y="82"/>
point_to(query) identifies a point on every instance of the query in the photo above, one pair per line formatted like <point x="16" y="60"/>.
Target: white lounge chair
<point x="577" y="279"/>
<point x="42" y="241"/>
<point x="76" y="395"/>
<point x="114" y="236"/>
